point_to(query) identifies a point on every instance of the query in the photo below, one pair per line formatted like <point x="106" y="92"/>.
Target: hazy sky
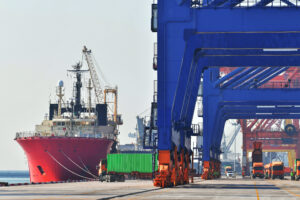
<point x="40" y="40"/>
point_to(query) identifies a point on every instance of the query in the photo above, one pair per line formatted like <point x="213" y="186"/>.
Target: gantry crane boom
<point x="237" y="130"/>
<point x="96" y="83"/>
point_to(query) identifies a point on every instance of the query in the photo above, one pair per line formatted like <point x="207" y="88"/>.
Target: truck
<point x="258" y="170"/>
<point x="277" y="170"/>
<point x="295" y="174"/>
<point x="132" y="165"/>
<point x="229" y="172"/>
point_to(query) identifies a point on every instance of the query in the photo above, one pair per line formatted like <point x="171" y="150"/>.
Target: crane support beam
<point x="268" y="126"/>
<point x="231" y="3"/>
<point x="228" y="76"/>
<point x="272" y="76"/>
<point x="287" y="2"/>
<point x="264" y="124"/>
<point x="259" y="124"/>
<point x="264" y="76"/>
<point x="239" y="83"/>
<point x="263" y="3"/>
<point x="254" y="79"/>
<point x="252" y="124"/>
<point x="238" y="77"/>
<point x="216" y="3"/>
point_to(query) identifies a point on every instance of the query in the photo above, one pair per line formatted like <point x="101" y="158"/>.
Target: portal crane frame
<point x="193" y="43"/>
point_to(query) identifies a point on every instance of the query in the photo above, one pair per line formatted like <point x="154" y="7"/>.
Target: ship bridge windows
<point x="85" y="123"/>
<point x="41" y="170"/>
<point x="59" y="123"/>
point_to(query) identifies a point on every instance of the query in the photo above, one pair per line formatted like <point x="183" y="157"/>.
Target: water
<point x="12" y="176"/>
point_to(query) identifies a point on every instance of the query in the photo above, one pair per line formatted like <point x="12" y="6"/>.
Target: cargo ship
<point x="74" y="136"/>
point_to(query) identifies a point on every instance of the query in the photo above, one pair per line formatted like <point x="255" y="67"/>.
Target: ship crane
<point x="101" y="95"/>
<point x="96" y="83"/>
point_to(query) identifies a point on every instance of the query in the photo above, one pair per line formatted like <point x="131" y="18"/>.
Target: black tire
<point x="122" y="178"/>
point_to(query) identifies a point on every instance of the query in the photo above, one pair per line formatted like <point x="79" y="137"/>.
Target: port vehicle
<point x="133" y="165"/>
<point x="229" y="172"/>
<point x="108" y="177"/>
<point x="267" y="170"/>
<point x="277" y="170"/>
<point x="258" y="170"/>
<point x="296" y="172"/>
<point x="76" y="134"/>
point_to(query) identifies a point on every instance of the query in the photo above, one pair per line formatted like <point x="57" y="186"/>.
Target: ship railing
<point x="37" y="134"/>
<point x="26" y="134"/>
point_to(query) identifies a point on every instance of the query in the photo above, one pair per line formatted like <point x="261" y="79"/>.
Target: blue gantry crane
<point x="195" y="38"/>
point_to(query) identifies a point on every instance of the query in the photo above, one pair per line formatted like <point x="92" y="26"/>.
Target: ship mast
<point x="77" y="87"/>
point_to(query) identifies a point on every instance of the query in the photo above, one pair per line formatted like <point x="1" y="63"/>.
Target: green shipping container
<point x="130" y="162"/>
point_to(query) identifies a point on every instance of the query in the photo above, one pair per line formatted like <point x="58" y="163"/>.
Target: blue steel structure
<point x="195" y="39"/>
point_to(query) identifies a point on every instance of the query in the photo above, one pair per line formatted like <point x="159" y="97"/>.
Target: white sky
<point x="40" y="40"/>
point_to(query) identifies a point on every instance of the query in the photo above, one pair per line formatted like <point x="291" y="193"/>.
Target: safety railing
<point x="243" y="3"/>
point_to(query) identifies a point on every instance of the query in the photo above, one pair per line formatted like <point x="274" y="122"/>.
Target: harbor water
<point x="13" y="176"/>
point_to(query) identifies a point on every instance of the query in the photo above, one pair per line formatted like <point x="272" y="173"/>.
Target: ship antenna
<point x="90" y="97"/>
<point x="71" y="119"/>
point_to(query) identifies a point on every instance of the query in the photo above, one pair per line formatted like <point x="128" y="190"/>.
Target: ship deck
<point x="225" y="189"/>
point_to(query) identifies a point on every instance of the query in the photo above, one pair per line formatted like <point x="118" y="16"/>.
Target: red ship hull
<point x="63" y="158"/>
